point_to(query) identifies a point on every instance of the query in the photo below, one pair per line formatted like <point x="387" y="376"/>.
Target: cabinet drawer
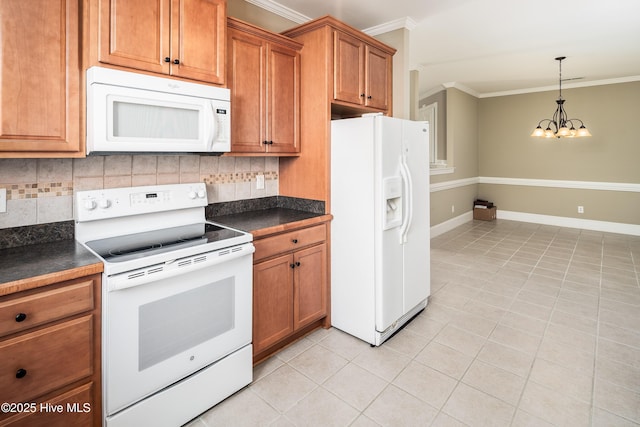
<point x="46" y="359"/>
<point x="21" y="313"/>
<point x="289" y="241"/>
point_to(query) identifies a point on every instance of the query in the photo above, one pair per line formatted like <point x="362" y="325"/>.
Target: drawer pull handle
<point x="21" y="373"/>
<point x="21" y="317"/>
<point x="295" y="240"/>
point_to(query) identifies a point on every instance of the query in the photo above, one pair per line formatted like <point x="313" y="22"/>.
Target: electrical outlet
<point x="580" y="209"/>
<point x="3" y="200"/>
<point x="260" y="182"/>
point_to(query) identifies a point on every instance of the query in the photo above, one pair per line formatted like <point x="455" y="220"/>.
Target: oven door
<point x="160" y="332"/>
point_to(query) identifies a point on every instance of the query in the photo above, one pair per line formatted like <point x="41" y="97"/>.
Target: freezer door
<point x="388" y="248"/>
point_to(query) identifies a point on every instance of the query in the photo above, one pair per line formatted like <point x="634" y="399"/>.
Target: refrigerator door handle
<point x="408" y="185"/>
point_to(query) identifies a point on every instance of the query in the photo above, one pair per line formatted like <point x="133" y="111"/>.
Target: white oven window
<point x="179" y="322"/>
<point x="145" y="120"/>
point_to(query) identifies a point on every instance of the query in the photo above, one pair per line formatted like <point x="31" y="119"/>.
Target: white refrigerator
<point x="380" y="261"/>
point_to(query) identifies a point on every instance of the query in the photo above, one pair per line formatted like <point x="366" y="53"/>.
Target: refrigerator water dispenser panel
<point x="392" y="198"/>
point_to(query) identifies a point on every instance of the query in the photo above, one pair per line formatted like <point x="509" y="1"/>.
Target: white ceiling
<point x="489" y="47"/>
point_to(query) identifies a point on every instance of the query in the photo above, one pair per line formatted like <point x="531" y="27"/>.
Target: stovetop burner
<point x="138" y="245"/>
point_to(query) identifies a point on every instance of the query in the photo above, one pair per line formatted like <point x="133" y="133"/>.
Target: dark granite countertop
<point x="27" y="267"/>
<point x="269" y="221"/>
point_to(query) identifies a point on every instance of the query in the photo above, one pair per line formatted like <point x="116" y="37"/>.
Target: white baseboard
<point x="450" y="224"/>
<point x="561" y="221"/>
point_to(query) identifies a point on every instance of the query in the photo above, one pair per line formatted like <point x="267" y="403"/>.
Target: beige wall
<point x="612" y="154"/>
<point x="256" y="15"/>
<point x="462" y="154"/>
<point x="399" y="39"/>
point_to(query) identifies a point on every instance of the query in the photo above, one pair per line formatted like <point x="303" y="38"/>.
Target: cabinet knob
<point x="20" y="317"/>
<point x="362" y="95"/>
<point x="270" y="142"/>
<point x="369" y="97"/>
<point x="176" y="61"/>
<point x="297" y="263"/>
<point x="292" y="265"/>
<point x="294" y="240"/>
<point x="21" y="373"/>
<point x="167" y="59"/>
<point x="265" y="142"/>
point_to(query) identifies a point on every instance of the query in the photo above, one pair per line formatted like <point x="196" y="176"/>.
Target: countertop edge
<point x="50" y="278"/>
<point x="276" y="229"/>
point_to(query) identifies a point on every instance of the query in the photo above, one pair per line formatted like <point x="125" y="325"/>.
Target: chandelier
<point x="560" y="126"/>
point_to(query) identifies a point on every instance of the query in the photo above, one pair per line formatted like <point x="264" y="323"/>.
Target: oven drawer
<point x="44" y="360"/>
<point x="45" y="306"/>
<point x="290" y="241"/>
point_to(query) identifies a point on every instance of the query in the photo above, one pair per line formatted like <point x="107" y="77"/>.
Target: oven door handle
<point x="176" y="267"/>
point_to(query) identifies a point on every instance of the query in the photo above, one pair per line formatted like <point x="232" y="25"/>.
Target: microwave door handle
<point x="211" y="125"/>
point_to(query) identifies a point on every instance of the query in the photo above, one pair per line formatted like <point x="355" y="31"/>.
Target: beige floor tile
<point x="364" y="421"/>
<point x="516" y="339"/>
<point x="425" y="383"/>
<point x="565" y="355"/>
<point x="318" y="363"/>
<point x="583" y="342"/>
<point x="321" y="408"/>
<point x="565" y="380"/>
<point x="343" y="344"/>
<point x="473" y="323"/>
<point x="618" y="373"/>
<point x="283" y="388"/>
<point x="582" y="324"/>
<point x="517" y="318"/>
<point x="382" y="361"/>
<point x="355" y="385"/>
<point x="294" y="349"/>
<point x="619" y="335"/>
<point x="524" y="419"/>
<point x="554" y="407"/>
<point x="577" y="309"/>
<point x="604" y="418"/>
<point x="617" y="400"/>
<point x="476" y="408"/>
<point x="462" y="341"/>
<point x="444" y="420"/>
<point x="266" y="367"/>
<point x="395" y="407"/>
<point x="444" y="359"/>
<point x="424" y="326"/>
<point x="497" y="382"/>
<point x="506" y="358"/>
<point x="407" y="342"/>
<point x="241" y="409"/>
<point x="619" y="352"/>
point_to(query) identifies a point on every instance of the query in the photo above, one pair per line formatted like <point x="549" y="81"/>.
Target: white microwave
<point x="137" y="113"/>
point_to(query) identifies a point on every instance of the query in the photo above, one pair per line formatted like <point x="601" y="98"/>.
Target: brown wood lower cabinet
<point x="289" y="287"/>
<point x="50" y="355"/>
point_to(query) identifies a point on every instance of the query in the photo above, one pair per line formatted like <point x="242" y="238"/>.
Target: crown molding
<point x="281" y="10"/>
<point x="564" y="86"/>
<point x="461" y="87"/>
<point x="405" y="22"/>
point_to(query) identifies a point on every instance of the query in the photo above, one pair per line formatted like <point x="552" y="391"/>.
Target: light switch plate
<point x="260" y="182"/>
<point x="3" y="200"/>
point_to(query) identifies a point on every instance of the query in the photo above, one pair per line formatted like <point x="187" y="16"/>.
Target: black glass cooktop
<point x="138" y="245"/>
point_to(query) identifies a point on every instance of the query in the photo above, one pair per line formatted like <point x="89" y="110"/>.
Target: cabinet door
<point x="135" y="34"/>
<point x="377" y="78"/>
<point x="310" y="278"/>
<point x="247" y="80"/>
<point x="272" y="301"/>
<point x="198" y="39"/>
<point x="283" y="95"/>
<point x="348" y="62"/>
<point x="40" y="76"/>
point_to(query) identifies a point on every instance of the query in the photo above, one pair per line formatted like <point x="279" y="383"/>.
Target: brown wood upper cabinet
<point x="40" y="100"/>
<point x="183" y="38"/>
<point x="264" y="78"/>
<point x="362" y="73"/>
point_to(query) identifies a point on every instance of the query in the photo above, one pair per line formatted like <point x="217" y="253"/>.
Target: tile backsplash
<point x="40" y="191"/>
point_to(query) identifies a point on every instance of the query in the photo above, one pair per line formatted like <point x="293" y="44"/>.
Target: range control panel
<point x="92" y="205"/>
